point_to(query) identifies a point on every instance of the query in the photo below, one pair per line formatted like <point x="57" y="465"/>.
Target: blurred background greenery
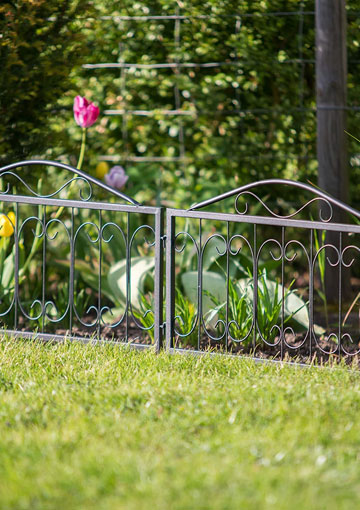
<point x="184" y="133"/>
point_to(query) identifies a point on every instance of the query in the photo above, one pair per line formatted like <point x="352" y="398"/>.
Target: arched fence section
<point x="247" y="272"/>
<point x="251" y="277"/>
<point x="73" y="266"/>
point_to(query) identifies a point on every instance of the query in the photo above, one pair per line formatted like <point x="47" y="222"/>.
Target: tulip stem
<point x="3" y="246"/>
<point x="82" y="150"/>
<point x="38" y="240"/>
<point x="78" y="167"/>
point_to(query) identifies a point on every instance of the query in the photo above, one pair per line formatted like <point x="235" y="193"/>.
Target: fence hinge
<point x="163" y="239"/>
<point x="163" y="325"/>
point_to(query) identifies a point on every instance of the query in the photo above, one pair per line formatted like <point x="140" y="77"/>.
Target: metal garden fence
<point x="247" y="282"/>
<point x="68" y="264"/>
<point x="255" y="283"/>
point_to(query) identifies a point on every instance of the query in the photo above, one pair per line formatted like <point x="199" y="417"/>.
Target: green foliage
<point x="145" y="315"/>
<point x="241" y="120"/>
<point x="240" y="313"/>
<point x="41" y="42"/>
<point x="319" y="238"/>
<point x="244" y="119"/>
<point x="141" y="278"/>
<point x="186" y="316"/>
<point x="270" y="298"/>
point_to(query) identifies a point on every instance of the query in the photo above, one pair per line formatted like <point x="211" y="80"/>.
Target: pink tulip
<point x="116" y="177"/>
<point x="85" y="112"/>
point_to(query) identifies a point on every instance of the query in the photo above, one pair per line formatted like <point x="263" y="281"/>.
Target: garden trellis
<point x="253" y="130"/>
<point x="249" y="281"/>
<point x="243" y="113"/>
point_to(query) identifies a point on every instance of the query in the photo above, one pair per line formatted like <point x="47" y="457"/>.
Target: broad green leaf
<point x="212" y="252"/>
<point x="213" y="284"/>
<point x="141" y="268"/>
<point x="8" y="271"/>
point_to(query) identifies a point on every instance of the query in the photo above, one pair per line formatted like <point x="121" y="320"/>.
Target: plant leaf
<point x="141" y="267"/>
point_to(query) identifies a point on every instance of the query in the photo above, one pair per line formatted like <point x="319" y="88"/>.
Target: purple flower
<point x="116" y="177"/>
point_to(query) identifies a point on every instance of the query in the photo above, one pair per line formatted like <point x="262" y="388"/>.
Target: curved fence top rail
<point x="78" y="175"/>
<point x="319" y="196"/>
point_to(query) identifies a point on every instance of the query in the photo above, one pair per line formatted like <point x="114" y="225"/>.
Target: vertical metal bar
<point x="311" y="292"/>
<point x="282" y="337"/>
<point x="99" y="276"/>
<point x="227" y="289"/>
<point x="170" y="278"/>
<point x="255" y="280"/>
<point x="128" y="271"/>
<point x="159" y="278"/>
<point x="43" y="271"/>
<point x="340" y="291"/>
<point x="200" y="284"/>
<point x="72" y="269"/>
<point x="16" y="267"/>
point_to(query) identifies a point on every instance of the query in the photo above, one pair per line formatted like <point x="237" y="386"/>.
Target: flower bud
<point x="101" y="170"/>
<point x="7" y="224"/>
<point x="116" y="177"/>
<point x="85" y="112"/>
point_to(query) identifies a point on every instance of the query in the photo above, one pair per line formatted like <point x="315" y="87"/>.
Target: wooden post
<point x="331" y="78"/>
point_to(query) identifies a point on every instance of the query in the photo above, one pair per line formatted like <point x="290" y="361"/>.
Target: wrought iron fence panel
<point x="252" y="281"/>
<point x="75" y="267"/>
<point x="256" y="284"/>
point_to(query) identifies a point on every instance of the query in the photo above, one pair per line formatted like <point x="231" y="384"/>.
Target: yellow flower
<point x="101" y="170"/>
<point x="7" y="224"/>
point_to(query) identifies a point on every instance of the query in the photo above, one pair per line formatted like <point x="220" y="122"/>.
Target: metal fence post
<point x="159" y="278"/>
<point x="170" y="278"/>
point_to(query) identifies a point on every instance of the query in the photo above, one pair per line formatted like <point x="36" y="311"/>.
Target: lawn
<point x="94" y="427"/>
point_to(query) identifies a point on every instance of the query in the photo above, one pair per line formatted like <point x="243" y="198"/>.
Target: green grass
<point x="93" y="427"/>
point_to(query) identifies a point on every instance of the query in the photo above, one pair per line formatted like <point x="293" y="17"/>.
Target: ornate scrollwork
<point x="109" y="226"/>
<point x="320" y="196"/>
<point x="83" y="197"/>
<point x="331" y="337"/>
<point x="95" y="240"/>
<point x="79" y="175"/>
<point x="349" y="338"/>
<point x="346" y="338"/>
<point x="219" y="322"/>
<point x="288" y="329"/>
<point x="180" y="249"/>
<point x="39" y="235"/>
<point x="233" y="322"/>
<point x="145" y="313"/>
<point x="286" y="216"/>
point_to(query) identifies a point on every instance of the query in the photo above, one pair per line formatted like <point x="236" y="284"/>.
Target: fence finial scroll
<point x="320" y="197"/>
<point x="79" y="176"/>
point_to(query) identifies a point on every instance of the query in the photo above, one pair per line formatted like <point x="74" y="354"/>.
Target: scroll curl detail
<point x="84" y="198"/>
<point x="288" y="216"/>
<point x="348" y="337"/>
